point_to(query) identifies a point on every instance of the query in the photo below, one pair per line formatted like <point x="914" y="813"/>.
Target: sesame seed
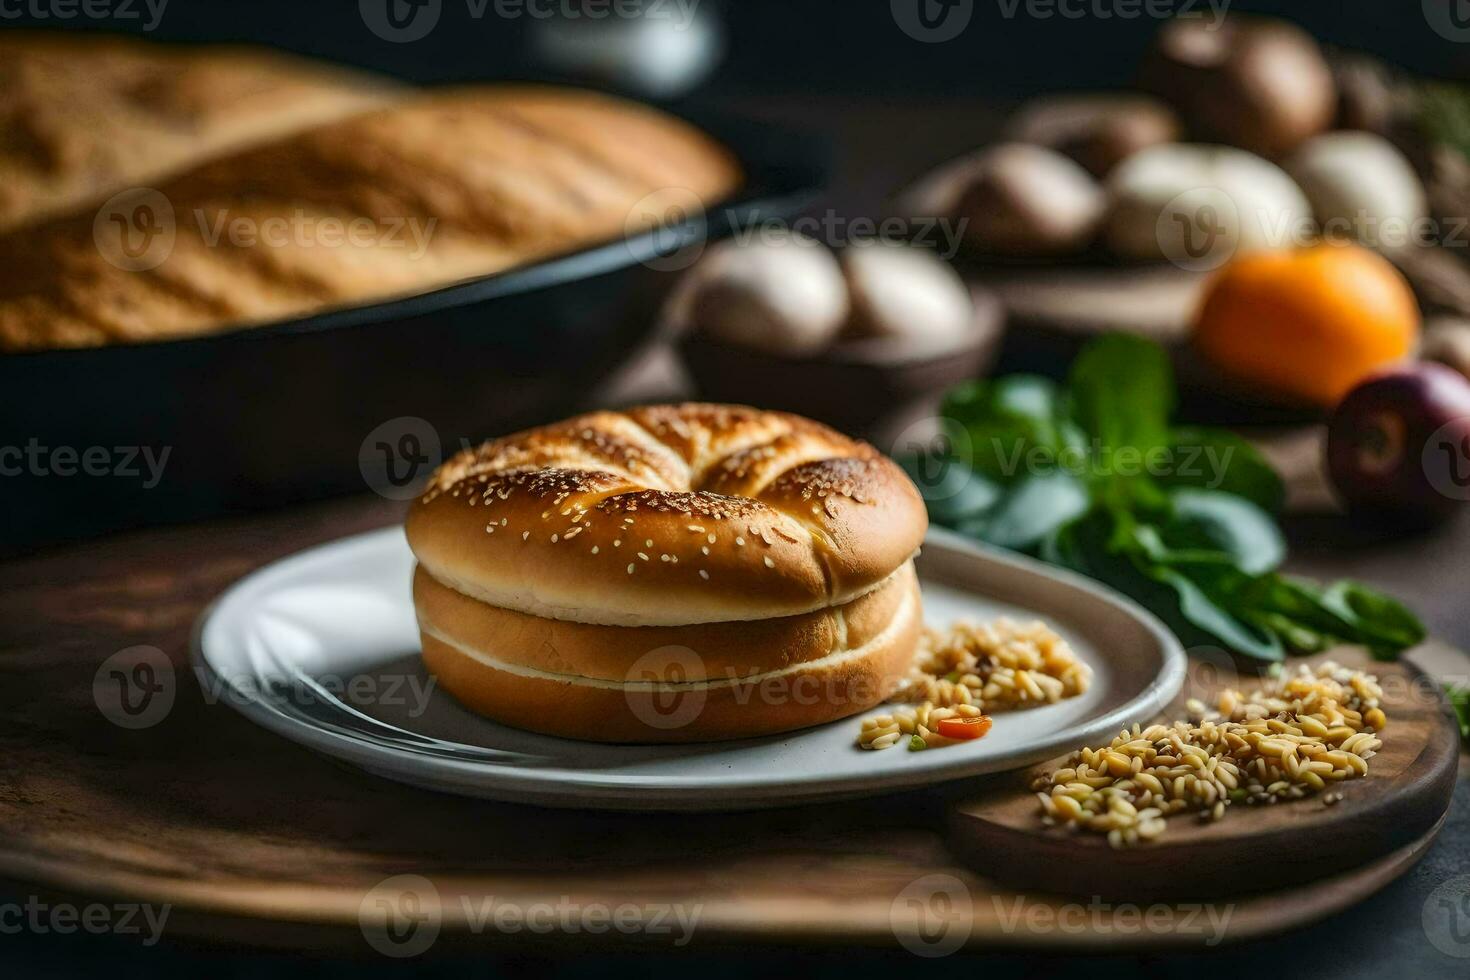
<point x="696" y="528"/>
<point x="769" y="563"/>
<point x="663" y="557"/>
<point x="740" y="542"/>
<point x="711" y="539"/>
<point x="630" y="568"/>
<point x="489" y="528"/>
<point x="617" y="542"/>
<point x="648" y="543"/>
<point x="643" y="556"/>
<point x="594" y="549"/>
<point x="704" y="550"/>
<point x="503" y="522"/>
<point x="525" y="535"/>
<point x="704" y="575"/>
<point x="554" y="538"/>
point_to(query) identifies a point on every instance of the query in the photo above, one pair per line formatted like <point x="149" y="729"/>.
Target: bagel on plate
<point x="670" y="573"/>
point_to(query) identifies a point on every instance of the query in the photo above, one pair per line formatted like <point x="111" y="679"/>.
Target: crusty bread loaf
<point x="440" y="188"/>
<point x="668" y="515"/>
<point x="667" y="708"/>
<point x="85" y="115"/>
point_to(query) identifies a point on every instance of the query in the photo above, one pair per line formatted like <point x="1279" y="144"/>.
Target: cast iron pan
<point x="367" y="397"/>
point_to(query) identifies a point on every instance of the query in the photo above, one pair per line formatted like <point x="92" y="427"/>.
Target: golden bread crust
<point x="429" y="191"/>
<point x="722" y="650"/>
<point x="801" y="695"/>
<point x="667" y="516"/>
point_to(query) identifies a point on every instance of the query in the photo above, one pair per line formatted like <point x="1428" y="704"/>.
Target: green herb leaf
<point x="1032" y="510"/>
<point x="1459" y="698"/>
<point x="952" y="492"/>
<point x="1379" y="622"/>
<point x="1013" y="424"/>
<point x="1207" y="520"/>
<point x="1213" y="459"/>
<point x="1122" y="393"/>
<point x="1092" y="478"/>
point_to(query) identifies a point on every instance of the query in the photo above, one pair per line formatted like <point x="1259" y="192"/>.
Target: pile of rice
<point x="1296" y="736"/>
<point x="977" y="668"/>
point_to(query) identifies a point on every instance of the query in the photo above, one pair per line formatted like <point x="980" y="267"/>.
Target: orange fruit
<point x="1307" y="325"/>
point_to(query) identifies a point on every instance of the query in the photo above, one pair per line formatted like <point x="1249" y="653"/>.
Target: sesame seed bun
<point x="721" y="650"/>
<point x="668" y="516"/>
<point x="660" y="702"/>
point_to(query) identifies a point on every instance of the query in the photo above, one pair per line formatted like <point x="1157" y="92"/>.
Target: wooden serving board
<point x="250" y="837"/>
<point x="1254" y="848"/>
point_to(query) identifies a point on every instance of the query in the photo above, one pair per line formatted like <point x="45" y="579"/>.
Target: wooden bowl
<point x="863" y="387"/>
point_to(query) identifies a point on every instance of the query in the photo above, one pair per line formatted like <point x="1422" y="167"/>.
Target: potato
<point x="785" y="295"/>
<point x="1261" y="85"/>
<point x="904" y="292"/>
<point x="1361" y="188"/>
<point x="1098" y="131"/>
<point x="1196" y="205"/>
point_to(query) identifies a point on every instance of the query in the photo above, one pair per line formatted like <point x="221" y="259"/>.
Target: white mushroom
<point x="1023" y="200"/>
<point x="904" y="291"/>
<point x="785" y="295"/>
<point x="1196" y="205"/>
<point x="1361" y="187"/>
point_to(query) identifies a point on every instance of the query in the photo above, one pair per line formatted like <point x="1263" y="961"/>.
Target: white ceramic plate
<point x="322" y="648"/>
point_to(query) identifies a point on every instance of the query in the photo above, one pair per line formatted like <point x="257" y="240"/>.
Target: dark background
<point x="792" y="46"/>
<point x="783" y="50"/>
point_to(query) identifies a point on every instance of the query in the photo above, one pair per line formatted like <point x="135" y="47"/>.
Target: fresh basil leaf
<point x="1380" y="622"/>
<point x="1013" y="424"/>
<point x="1208" y="520"/>
<point x="952" y="491"/>
<point x="1459" y="698"/>
<point x="1032" y="510"/>
<point x="1121" y="392"/>
<point x="1213" y="459"/>
<point x="1198" y="612"/>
